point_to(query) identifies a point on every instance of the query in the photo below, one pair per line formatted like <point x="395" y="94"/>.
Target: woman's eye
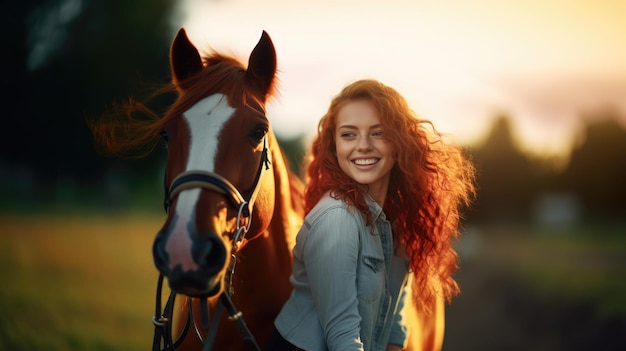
<point x="347" y="135"/>
<point x="378" y="134"/>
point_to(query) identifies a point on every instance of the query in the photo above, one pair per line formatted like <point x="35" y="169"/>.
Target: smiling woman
<point x="373" y="261"/>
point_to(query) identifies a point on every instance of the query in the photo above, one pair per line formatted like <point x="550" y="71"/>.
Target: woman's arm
<point x="330" y="257"/>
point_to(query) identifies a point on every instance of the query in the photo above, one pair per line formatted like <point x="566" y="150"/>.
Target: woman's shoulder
<point x="329" y="203"/>
<point x="331" y="223"/>
<point x="329" y="200"/>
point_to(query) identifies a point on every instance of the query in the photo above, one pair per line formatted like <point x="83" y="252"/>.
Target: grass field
<point x="74" y="283"/>
<point x="87" y="282"/>
<point x="584" y="264"/>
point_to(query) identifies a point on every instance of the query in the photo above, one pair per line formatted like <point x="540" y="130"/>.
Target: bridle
<point x="163" y="326"/>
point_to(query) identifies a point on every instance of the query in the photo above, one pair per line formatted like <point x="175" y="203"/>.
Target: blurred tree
<point x="504" y="176"/>
<point x="597" y="168"/>
<point x="294" y="150"/>
<point x="14" y="173"/>
<point x="71" y="59"/>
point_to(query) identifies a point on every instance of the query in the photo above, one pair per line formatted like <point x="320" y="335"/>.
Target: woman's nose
<point x="365" y="143"/>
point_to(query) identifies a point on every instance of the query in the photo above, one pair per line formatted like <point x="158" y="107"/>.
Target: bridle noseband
<point x="211" y="181"/>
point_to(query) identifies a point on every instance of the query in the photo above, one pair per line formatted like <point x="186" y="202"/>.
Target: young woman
<point x="382" y="200"/>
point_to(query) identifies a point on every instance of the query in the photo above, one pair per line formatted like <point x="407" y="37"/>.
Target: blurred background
<point x="535" y="91"/>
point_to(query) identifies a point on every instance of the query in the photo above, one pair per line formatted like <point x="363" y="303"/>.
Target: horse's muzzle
<point x="209" y="255"/>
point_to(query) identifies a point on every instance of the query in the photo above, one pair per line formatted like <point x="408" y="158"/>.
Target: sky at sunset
<point x="458" y="63"/>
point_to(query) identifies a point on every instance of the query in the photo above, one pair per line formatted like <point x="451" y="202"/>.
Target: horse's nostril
<point x="210" y="253"/>
<point x="160" y="256"/>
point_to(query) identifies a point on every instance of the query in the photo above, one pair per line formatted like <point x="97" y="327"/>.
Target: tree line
<point x="512" y="182"/>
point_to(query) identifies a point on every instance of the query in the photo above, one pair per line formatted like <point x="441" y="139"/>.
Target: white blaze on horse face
<point x="205" y="120"/>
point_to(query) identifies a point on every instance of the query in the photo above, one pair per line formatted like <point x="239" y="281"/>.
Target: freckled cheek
<point x="343" y="158"/>
<point x="387" y="148"/>
<point x="342" y="150"/>
<point x="344" y="162"/>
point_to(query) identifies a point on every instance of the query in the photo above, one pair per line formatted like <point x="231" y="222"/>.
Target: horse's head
<point x="218" y="181"/>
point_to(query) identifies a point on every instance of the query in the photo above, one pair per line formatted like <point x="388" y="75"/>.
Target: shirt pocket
<point x="375" y="263"/>
<point x="371" y="279"/>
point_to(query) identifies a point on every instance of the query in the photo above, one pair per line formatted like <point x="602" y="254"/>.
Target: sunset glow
<point x="459" y="63"/>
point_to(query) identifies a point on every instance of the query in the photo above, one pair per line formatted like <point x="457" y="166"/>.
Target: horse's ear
<point x="262" y="66"/>
<point x="185" y="59"/>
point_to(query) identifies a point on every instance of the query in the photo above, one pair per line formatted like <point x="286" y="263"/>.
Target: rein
<point x="162" y="324"/>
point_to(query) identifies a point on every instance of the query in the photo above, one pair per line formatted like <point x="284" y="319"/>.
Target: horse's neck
<point x="266" y="260"/>
<point x="273" y="249"/>
<point x="289" y="204"/>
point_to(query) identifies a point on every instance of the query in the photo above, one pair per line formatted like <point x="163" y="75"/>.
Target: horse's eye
<point x="259" y="133"/>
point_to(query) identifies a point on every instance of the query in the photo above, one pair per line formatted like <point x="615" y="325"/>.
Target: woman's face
<point x="362" y="152"/>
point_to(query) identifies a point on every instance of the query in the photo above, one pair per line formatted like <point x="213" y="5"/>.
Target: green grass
<point x="87" y="281"/>
<point x="578" y="265"/>
<point x="75" y="283"/>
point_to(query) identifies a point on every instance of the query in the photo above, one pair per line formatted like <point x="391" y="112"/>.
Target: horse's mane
<point x="132" y="129"/>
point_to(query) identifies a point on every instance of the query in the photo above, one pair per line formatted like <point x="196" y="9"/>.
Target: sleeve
<point x="399" y="330"/>
<point x="330" y="256"/>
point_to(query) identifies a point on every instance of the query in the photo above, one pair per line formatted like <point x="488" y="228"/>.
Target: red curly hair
<point x="429" y="182"/>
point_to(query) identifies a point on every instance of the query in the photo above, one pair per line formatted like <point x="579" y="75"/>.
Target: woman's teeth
<point x="365" y="162"/>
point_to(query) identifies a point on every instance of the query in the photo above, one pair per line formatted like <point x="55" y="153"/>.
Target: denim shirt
<point x="348" y="286"/>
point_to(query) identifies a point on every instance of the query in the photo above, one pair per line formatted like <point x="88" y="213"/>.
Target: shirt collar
<point x="375" y="209"/>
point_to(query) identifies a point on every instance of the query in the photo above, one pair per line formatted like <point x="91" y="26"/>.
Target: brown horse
<point x="230" y="196"/>
<point x="229" y="190"/>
